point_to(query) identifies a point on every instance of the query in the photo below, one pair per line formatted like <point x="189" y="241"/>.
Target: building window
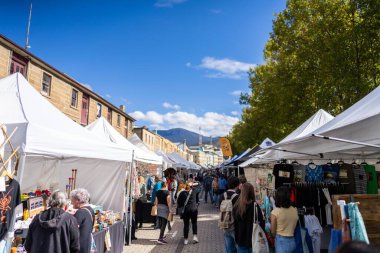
<point x="46" y="84"/>
<point x="118" y="120"/>
<point x="74" y="98"/>
<point x="109" y="115"/>
<point x="18" y="64"/>
<point x="98" y="110"/>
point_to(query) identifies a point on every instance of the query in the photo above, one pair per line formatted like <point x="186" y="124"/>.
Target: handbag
<point x="170" y="217"/>
<point x="181" y="210"/>
<point x="153" y="212"/>
<point x="259" y="239"/>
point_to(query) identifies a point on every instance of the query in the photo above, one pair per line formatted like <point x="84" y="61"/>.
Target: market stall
<point x="52" y="147"/>
<point x="335" y="161"/>
<point x="104" y="130"/>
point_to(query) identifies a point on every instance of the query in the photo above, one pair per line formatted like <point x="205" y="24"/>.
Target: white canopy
<point x="267" y="143"/>
<point x="104" y="130"/>
<point x="169" y="163"/>
<point x="52" y="145"/>
<point x="180" y="162"/>
<point x="320" y="118"/>
<point x="353" y="134"/>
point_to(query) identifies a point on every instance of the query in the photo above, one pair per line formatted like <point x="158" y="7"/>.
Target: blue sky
<point x="173" y="63"/>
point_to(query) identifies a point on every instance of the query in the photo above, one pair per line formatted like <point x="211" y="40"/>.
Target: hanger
<point x="364" y="163"/>
<point x="340" y="162"/>
<point x="295" y="162"/>
<point x="329" y="163"/>
<point x="353" y="162"/>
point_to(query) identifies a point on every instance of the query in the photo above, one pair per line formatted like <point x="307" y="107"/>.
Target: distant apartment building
<point x="156" y="142"/>
<point x="79" y="103"/>
<point x="207" y="155"/>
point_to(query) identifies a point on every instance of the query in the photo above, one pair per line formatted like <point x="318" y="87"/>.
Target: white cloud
<point x="87" y="86"/>
<point x="236" y="93"/>
<point x="108" y="96"/>
<point x="224" y="68"/>
<point x="188" y="64"/>
<point x="168" y="3"/>
<point x="212" y="123"/>
<point x="235" y="113"/>
<point x="170" y="106"/>
<point x="236" y="102"/>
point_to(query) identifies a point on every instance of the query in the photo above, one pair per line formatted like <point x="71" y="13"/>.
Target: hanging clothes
<point x="357" y="227"/>
<point x="314" y="173"/>
<point x="315" y="230"/>
<point x="284" y="173"/>
<point x="346" y="176"/>
<point x="360" y="178"/>
<point x="299" y="173"/>
<point x="371" y="178"/>
<point x="330" y="173"/>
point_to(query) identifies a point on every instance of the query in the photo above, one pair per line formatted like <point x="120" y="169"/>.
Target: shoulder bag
<point x="259" y="240"/>
<point x="93" y="245"/>
<point x="181" y="210"/>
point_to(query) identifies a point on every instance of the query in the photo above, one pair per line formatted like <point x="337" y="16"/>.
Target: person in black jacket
<point x="190" y="211"/>
<point x="53" y="230"/>
<point x="243" y="218"/>
<point x="85" y="217"/>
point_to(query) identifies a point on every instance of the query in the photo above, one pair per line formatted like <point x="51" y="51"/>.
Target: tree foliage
<point x="320" y="55"/>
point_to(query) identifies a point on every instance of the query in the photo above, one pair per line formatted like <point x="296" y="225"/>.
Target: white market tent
<point x="179" y="161"/>
<point x="267" y="143"/>
<point x="167" y="161"/>
<point x="51" y="145"/>
<point x="104" y="130"/>
<point x="353" y="134"/>
<point x="271" y="154"/>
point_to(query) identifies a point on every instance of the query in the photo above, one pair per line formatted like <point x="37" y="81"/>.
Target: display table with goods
<point x="108" y="231"/>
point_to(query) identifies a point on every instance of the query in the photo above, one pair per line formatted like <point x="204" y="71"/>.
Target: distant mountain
<point x="192" y="139"/>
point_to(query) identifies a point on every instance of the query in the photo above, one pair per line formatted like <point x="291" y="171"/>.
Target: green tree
<point x="320" y="54"/>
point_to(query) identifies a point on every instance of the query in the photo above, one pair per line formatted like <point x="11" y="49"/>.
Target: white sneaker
<point x="186" y="242"/>
<point x="195" y="239"/>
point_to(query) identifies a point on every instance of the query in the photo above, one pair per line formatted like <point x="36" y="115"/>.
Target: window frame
<point x="99" y="110"/>
<point x="109" y="115"/>
<point x="118" y="121"/>
<point x="43" y="83"/>
<point x="72" y="98"/>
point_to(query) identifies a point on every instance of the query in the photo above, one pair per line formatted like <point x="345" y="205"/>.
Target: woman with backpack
<point x="246" y="212"/>
<point x="188" y="210"/>
<point x="164" y="206"/>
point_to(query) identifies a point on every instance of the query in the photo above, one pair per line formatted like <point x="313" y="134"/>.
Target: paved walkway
<point x="209" y="235"/>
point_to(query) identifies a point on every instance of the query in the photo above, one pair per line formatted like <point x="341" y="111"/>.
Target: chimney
<point x="122" y="107"/>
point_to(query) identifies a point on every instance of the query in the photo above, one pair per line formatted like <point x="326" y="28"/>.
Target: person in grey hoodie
<point x="53" y="230"/>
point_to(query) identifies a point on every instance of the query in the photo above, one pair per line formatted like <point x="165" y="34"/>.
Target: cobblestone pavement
<point x="209" y="235"/>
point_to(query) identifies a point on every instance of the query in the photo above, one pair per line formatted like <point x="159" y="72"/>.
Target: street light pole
<point x="27" y="46"/>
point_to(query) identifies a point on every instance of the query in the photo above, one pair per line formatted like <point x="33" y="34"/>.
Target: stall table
<point x="117" y="238"/>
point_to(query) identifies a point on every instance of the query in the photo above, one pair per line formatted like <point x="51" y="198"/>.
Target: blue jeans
<point x="229" y="241"/>
<point x="243" y="249"/>
<point x="285" y="244"/>
<point x="216" y="197"/>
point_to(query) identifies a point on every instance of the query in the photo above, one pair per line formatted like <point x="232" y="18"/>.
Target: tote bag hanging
<point x="259" y="240"/>
<point x="153" y="212"/>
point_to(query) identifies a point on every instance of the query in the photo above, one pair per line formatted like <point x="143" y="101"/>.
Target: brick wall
<point x="4" y="61"/>
<point x="61" y="92"/>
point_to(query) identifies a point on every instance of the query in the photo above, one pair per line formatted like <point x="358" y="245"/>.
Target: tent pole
<point x="127" y="197"/>
<point x="131" y="197"/>
<point x="346" y="141"/>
